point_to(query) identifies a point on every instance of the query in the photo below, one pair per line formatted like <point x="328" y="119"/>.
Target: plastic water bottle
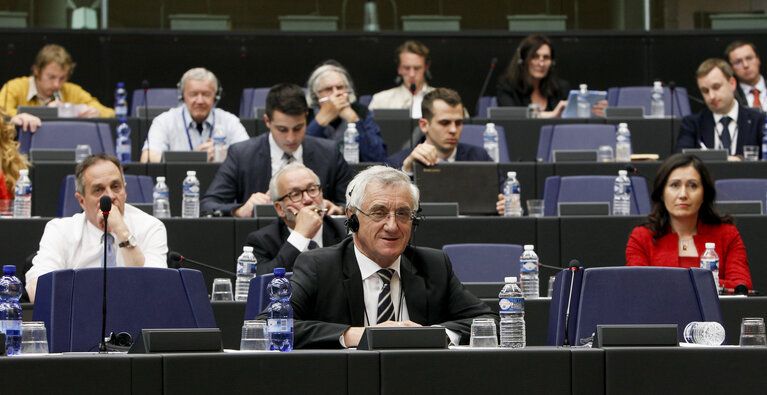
<point x="219" y="144"/>
<point x="10" y="309"/>
<point x="511" y="194"/>
<point x="190" y="206"/>
<point x="709" y="333"/>
<point x="622" y="194"/>
<point x="22" y="205"/>
<point x="710" y="261"/>
<point x="764" y="140"/>
<point x="121" y="101"/>
<point x="528" y="272"/>
<point x="490" y="141"/>
<point x="657" y="105"/>
<point x="623" y="143"/>
<point x="584" y="106"/>
<point x="279" y="315"/>
<point x="351" y="144"/>
<point x="161" y="199"/>
<point x="511" y="305"/>
<point x="246" y="270"/>
<point x="122" y="145"/>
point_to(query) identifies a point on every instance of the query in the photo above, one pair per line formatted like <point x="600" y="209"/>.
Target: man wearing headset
<point x="413" y="64"/>
<point x="374" y="278"/>
<point x="190" y="126"/>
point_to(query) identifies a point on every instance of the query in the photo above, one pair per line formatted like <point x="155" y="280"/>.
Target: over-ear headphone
<point x="352" y="223"/>
<point x="521" y="58"/>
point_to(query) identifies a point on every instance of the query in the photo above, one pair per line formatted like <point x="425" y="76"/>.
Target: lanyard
<point x="186" y="126"/>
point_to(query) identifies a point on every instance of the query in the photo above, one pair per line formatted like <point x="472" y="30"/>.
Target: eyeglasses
<point x="329" y="89"/>
<point x="739" y="63"/>
<point x="401" y="215"/>
<point x="296" y="196"/>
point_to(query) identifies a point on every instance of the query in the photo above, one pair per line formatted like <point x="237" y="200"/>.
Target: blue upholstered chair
<point x="574" y="136"/>
<point x="592" y="189"/>
<point x="630" y="295"/>
<point x="250" y="99"/>
<point x="155" y="97"/>
<point x="69" y="303"/>
<point x="68" y="135"/>
<point x="365" y="99"/>
<point x="484" y="262"/>
<point x="139" y="188"/>
<point x="484" y="103"/>
<point x="472" y="134"/>
<point x="258" y="296"/>
<point x="735" y="189"/>
<point x="639" y="96"/>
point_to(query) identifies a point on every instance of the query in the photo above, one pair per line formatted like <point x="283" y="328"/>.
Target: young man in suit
<point x="745" y="62"/>
<point x="724" y="124"/>
<point x="242" y="180"/>
<point x="297" y="196"/>
<point x="374" y="278"/>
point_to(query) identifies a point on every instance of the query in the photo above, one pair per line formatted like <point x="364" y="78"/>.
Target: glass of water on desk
<point x="222" y="290"/>
<point x="483" y="333"/>
<point x="34" y="339"/>
<point x="255" y="336"/>
<point x="752" y="332"/>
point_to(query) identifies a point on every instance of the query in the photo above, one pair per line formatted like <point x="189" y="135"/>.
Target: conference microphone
<point x="493" y="62"/>
<point x="574" y="266"/>
<point x="672" y="87"/>
<point x="740" y="289"/>
<point x="631" y="169"/>
<point x="145" y="88"/>
<point x="178" y="258"/>
<point x="105" y="204"/>
<point x="412" y="88"/>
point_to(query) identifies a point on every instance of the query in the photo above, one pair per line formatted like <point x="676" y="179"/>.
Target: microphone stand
<point x="484" y="85"/>
<point x="145" y="87"/>
<point x="102" y="343"/>
<point x="412" y="106"/>
<point x="573" y="270"/>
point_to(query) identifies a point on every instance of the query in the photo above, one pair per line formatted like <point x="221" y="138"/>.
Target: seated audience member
<point x="724" y="124"/>
<point x="48" y="86"/>
<point x="683" y="220"/>
<point x="532" y="79"/>
<point x="190" y="126"/>
<point x="442" y="124"/>
<point x="413" y="62"/>
<point x="744" y="59"/>
<point x="374" y="278"/>
<point x="331" y="91"/>
<point x="135" y="237"/>
<point x="242" y="180"/>
<point x="10" y="159"/>
<point x="297" y="196"/>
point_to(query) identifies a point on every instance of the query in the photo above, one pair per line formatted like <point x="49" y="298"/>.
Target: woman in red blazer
<point x="683" y="220"/>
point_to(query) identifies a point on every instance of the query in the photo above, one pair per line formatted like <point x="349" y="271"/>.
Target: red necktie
<point x="757" y="103"/>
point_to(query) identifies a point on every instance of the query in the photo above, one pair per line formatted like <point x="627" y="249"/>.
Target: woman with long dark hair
<point x="531" y="78"/>
<point x="683" y="220"/>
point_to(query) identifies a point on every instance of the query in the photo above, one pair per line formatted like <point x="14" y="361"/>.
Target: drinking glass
<point x="483" y="333"/>
<point x="255" y="336"/>
<point x="752" y="332"/>
<point x="34" y="339"/>
<point x="222" y="290"/>
<point x="535" y="207"/>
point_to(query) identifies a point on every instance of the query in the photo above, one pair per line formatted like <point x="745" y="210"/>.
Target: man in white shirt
<point x="744" y="59"/>
<point x="136" y="238"/>
<point x="191" y="125"/>
<point x="413" y="62"/>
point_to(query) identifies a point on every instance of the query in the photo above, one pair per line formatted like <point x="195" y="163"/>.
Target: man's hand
<point x="246" y="210"/>
<point x="332" y="208"/>
<point x="353" y="334"/>
<point x="28" y="122"/>
<point x="332" y="106"/>
<point x="500" y="205"/>
<point x="734" y="158"/>
<point x="308" y="221"/>
<point x="90" y="112"/>
<point x="115" y="224"/>
<point x="206" y="146"/>
<point x="424" y="153"/>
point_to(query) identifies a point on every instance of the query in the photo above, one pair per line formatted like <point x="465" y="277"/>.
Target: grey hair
<point x="316" y="76"/>
<point x="274" y="194"/>
<point x="382" y="175"/>
<point x="90" y="161"/>
<point x="198" y="74"/>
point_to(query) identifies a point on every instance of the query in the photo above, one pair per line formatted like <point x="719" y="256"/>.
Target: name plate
<point x="388" y="338"/>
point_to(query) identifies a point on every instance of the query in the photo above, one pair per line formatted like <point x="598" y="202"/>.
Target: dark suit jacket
<point x="700" y="127"/>
<point x="740" y="96"/>
<point x="272" y="249"/>
<point x="327" y="294"/>
<point x="465" y="153"/>
<point x="248" y="169"/>
<point x="509" y="96"/>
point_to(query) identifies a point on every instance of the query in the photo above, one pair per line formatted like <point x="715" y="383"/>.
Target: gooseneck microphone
<point x="145" y="88"/>
<point x="493" y="62"/>
<point x="105" y="204"/>
<point x="179" y="259"/>
<point x="412" y="106"/>
<point x="574" y="265"/>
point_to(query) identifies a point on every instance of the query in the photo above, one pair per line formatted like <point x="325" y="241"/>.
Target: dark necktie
<point x="288" y="158"/>
<point x="725" y="136"/>
<point x="111" y="256"/>
<point x="199" y="127"/>
<point x="313" y="244"/>
<point x="757" y="102"/>
<point x="385" y="307"/>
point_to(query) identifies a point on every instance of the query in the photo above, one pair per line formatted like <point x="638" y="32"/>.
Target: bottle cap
<point x="710" y="245"/>
<point x="511" y="174"/>
<point x="351" y="125"/>
<point x="529" y="247"/>
<point x="622" y="172"/>
<point x="123" y="120"/>
<point x="279" y="271"/>
<point x="191" y="173"/>
<point x="623" y="125"/>
<point x="656" y="84"/>
<point x="510" y="280"/>
<point x="120" y="85"/>
<point x="9" y="270"/>
<point x="490" y="125"/>
<point x="160" y="179"/>
<point x="24" y="172"/>
<point x="584" y="87"/>
<point x="247" y="249"/>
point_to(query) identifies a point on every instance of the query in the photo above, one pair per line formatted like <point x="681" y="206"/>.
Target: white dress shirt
<point x="302" y="243"/>
<point x="762" y="93"/>
<point x="276" y="153"/>
<point x="732" y="129"/>
<point x="175" y="130"/>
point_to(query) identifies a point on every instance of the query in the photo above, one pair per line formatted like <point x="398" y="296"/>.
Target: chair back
<point x="484" y="262"/>
<point x="68" y="135"/>
<point x="69" y="303"/>
<point x="258" y="294"/>
<point x="250" y="99"/>
<point x="484" y="103"/>
<point x="639" y="96"/>
<point x="735" y="189"/>
<point x="365" y="100"/>
<point x="139" y="189"/>
<point x="575" y="136"/>
<point x="592" y="189"/>
<point x="155" y="97"/>
<point x="472" y="134"/>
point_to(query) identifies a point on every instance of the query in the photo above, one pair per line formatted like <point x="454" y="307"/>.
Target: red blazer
<point x="641" y="250"/>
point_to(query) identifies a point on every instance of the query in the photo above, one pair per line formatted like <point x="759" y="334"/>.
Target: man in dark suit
<point x="374" y="278"/>
<point x="243" y="178"/>
<point x="724" y="124"/>
<point x="744" y="59"/>
<point x="297" y="196"/>
<point x="442" y="124"/>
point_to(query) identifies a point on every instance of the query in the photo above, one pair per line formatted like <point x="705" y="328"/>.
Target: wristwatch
<point x="130" y="243"/>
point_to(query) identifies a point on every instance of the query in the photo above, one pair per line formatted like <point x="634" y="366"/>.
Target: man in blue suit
<point x="442" y="124"/>
<point x="242" y="180"/>
<point x="724" y="124"/>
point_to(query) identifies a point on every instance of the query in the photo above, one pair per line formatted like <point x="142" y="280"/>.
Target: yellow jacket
<point x="14" y="94"/>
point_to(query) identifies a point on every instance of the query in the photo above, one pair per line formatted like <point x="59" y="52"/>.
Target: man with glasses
<point x="297" y="196"/>
<point x="374" y="278"/>
<point x="744" y="59"/>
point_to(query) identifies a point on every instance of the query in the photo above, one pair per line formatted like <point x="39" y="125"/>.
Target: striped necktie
<point x="111" y="256"/>
<point x="385" y="306"/>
